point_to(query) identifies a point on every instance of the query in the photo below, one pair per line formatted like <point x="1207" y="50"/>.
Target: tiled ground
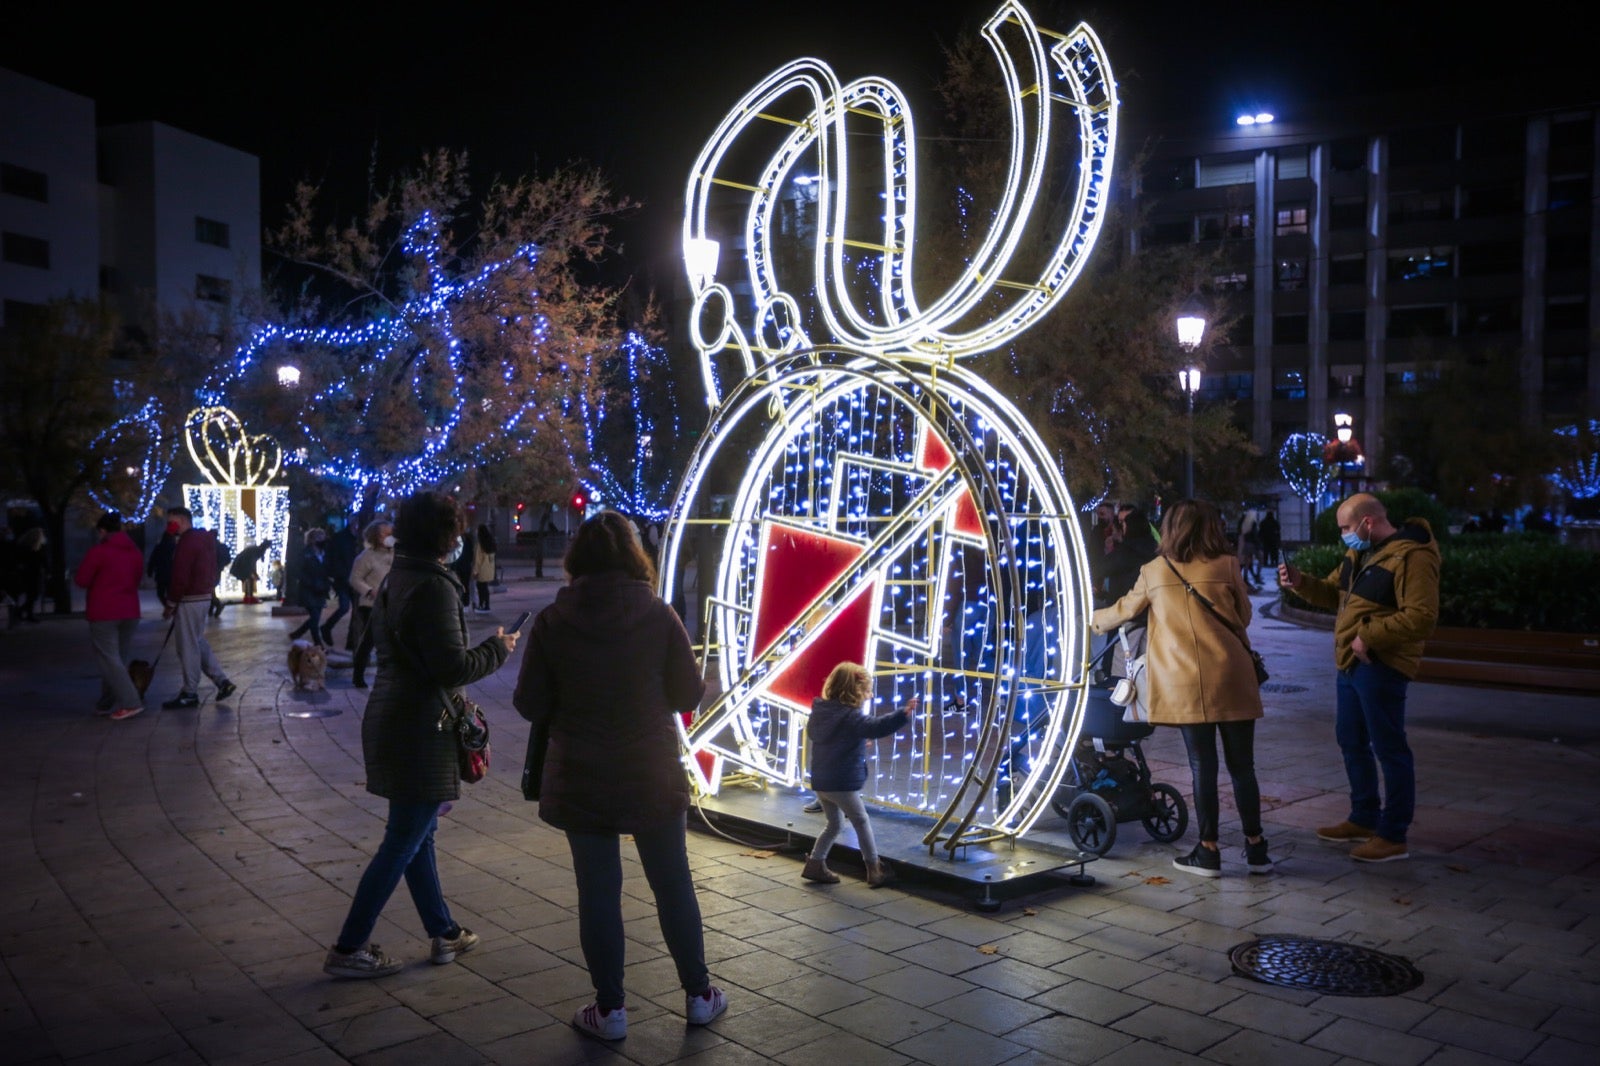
<point x="171" y="882"/>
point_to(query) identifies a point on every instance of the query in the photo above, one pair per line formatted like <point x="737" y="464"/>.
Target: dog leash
<point x="156" y="661"/>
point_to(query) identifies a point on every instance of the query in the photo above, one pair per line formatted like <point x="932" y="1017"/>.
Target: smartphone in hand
<point x="522" y="620"/>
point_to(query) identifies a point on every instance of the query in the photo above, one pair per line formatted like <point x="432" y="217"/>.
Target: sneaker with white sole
<point x="369" y="961"/>
<point x="1380" y="850"/>
<point x="446" y="948"/>
<point x="1256" y="858"/>
<point x="705" y="1007"/>
<point x="602" y="1025"/>
<point x="1202" y="862"/>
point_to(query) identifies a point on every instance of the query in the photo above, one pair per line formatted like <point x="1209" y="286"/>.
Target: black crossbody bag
<point x="1255" y="656"/>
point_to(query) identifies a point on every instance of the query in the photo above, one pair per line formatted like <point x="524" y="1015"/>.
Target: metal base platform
<point x="775" y="815"/>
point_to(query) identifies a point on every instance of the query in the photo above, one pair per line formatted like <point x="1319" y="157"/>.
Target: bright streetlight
<point x="1191" y="331"/>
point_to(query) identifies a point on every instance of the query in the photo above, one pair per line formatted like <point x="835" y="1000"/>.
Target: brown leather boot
<point x="878" y="874"/>
<point x="817" y="870"/>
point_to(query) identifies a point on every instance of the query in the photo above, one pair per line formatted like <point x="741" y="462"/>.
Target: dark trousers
<point x="1239" y="752"/>
<point x="363" y="622"/>
<point x="597" y="863"/>
<point x="483" y="595"/>
<point x="406" y="851"/>
<point x="313" y="622"/>
<point x="1370" y="725"/>
<point x="333" y="619"/>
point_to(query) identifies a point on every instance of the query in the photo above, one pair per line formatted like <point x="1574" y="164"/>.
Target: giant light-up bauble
<point x="898" y="511"/>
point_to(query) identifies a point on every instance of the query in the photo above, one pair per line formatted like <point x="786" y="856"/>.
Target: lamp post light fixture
<point x="700" y="260"/>
<point x="1191" y="331"/>
<point x="288" y="375"/>
<point x="1346" y="449"/>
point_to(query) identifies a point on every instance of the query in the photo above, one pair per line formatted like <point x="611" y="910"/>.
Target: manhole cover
<point x="1281" y="686"/>
<point x="1331" y="967"/>
<point x="314" y="712"/>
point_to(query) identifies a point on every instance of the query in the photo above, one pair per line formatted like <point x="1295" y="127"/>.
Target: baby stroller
<point x="1108" y="780"/>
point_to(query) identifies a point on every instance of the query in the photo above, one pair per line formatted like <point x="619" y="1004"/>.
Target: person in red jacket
<point x="111" y="571"/>
<point x="194" y="576"/>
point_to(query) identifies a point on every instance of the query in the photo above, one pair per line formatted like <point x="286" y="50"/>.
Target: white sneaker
<point x="706" y="1006"/>
<point x="608" y="1025"/>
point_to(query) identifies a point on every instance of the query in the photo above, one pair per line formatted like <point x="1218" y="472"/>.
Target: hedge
<point x="1488" y="581"/>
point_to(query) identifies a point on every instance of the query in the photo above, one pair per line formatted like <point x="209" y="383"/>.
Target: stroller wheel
<point x="1169" y="814"/>
<point x="1092" y="824"/>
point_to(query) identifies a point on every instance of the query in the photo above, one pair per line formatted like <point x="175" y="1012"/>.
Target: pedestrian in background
<point x="342" y="549"/>
<point x="1386" y="592"/>
<point x="1271" y="538"/>
<point x="366" y="577"/>
<point x="110" y="571"/>
<point x="483" y="567"/>
<point x="423" y="662"/>
<point x="461" y="563"/>
<point x="1201" y="676"/>
<point x="607" y="667"/>
<point x="194" y="579"/>
<point x="314" y="584"/>
<point x="32" y="562"/>
<point x="159" y="568"/>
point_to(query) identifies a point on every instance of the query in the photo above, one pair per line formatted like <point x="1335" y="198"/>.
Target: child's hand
<point x="910" y="707"/>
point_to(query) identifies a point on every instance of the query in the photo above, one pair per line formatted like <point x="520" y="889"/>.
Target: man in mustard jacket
<point x="1386" y="591"/>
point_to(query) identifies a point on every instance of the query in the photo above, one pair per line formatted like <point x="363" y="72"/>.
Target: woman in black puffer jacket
<point x="423" y="659"/>
<point x="606" y="668"/>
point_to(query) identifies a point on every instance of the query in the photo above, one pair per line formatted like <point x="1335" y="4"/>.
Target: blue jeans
<point x="597" y="864"/>
<point x="1371" y="729"/>
<point x="406" y="851"/>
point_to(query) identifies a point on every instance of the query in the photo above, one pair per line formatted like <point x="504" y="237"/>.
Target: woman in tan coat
<point x="1199" y="671"/>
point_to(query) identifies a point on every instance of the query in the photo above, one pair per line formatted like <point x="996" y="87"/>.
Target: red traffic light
<point x="579" y="501"/>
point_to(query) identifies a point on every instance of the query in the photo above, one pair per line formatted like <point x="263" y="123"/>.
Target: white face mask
<point x="454" y="553"/>
<point x="388" y="542"/>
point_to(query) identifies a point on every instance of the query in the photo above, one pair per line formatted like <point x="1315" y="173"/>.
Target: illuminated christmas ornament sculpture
<point x="144" y="449"/>
<point x="898" y="511"/>
<point x="239" y="502"/>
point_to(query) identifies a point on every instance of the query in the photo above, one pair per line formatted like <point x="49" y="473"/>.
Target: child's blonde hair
<point x="848" y="683"/>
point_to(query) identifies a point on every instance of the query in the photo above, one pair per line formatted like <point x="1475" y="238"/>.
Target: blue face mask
<point x="1353" y="541"/>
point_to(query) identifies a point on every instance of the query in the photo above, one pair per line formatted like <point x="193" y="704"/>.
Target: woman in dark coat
<point x="423" y="660"/>
<point x="607" y="667"/>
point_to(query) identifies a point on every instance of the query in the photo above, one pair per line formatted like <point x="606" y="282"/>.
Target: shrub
<point x="1401" y="505"/>
<point x="1491" y="582"/>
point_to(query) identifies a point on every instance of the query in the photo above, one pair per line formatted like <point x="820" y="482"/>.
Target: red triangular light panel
<point x="935" y="458"/>
<point x="795" y="566"/>
<point x="800" y="677"/>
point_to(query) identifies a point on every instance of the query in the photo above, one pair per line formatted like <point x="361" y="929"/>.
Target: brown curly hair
<point x="605" y="543"/>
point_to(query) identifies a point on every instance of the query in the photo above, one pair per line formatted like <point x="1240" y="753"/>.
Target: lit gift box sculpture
<point x="239" y="501"/>
<point x="898" y="510"/>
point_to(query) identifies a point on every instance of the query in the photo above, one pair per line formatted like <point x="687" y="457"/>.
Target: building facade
<point x="1368" y="247"/>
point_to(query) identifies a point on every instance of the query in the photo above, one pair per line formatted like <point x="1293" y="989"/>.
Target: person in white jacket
<point x="366" y="576"/>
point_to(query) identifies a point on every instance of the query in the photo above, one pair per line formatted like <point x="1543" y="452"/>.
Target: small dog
<point x="308" y="665"/>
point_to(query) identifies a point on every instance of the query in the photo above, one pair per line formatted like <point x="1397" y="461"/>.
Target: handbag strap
<point x="1197" y="594"/>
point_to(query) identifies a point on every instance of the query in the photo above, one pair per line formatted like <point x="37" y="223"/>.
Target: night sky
<point x="635" y="88"/>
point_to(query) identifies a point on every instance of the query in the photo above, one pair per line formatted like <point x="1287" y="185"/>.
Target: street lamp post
<point x="1191" y="330"/>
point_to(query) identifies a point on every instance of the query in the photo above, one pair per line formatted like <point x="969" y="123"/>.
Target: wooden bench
<point x="1565" y="662"/>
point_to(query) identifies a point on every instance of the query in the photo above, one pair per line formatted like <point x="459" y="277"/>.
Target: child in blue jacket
<point x="839" y="730"/>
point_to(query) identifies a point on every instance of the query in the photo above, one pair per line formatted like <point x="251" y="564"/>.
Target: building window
<point x="1218" y="388"/>
<point x="1290" y="329"/>
<point x="1170" y="173"/>
<point x="210" y="231"/>
<point x="25" y="251"/>
<point x="1346" y="383"/>
<point x="1491" y="316"/>
<point x="212" y="290"/>
<point x="1243" y="334"/>
<point x="1567" y="313"/>
<point x="1418" y="264"/>
<point x="1488" y="201"/>
<point x="1431" y="320"/>
<point x="1568" y="190"/>
<point x="1347" y="212"/>
<point x="1291" y="274"/>
<point x="1347" y="154"/>
<point x="24" y="182"/>
<point x="1236" y="168"/>
<point x="1180" y="231"/>
<point x="1491" y="257"/>
<point x="1347" y="325"/>
<point x="1292" y="163"/>
<point x="1347" y="270"/>
<point x="1238" y="281"/>
<point x="1288" y="384"/>
<point x="1572" y="132"/>
<point x="1292" y="219"/>
<point x="1416" y="206"/>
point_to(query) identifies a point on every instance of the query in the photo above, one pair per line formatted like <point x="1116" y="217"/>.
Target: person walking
<point x="423" y="662"/>
<point x="110" y="571"/>
<point x="1271" y="538"/>
<point x="606" y="668"/>
<point x="1199" y="670"/>
<point x="32" y="561"/>
<point x="341" y="551"/>
<point x="366" y="577"/>
<point x="1250" y="549"/>
<point x="314" y="584"/>
<point x="1386" y="593"/>
<point x="194" y="578"/>
<point x="839" y="729"/>
<point x="483" y="567"/>
<point x="461" y="564"/>
<point x="159" y="568"/>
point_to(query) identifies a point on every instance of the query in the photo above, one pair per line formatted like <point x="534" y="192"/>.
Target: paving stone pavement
<point x="171" y="882"/>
